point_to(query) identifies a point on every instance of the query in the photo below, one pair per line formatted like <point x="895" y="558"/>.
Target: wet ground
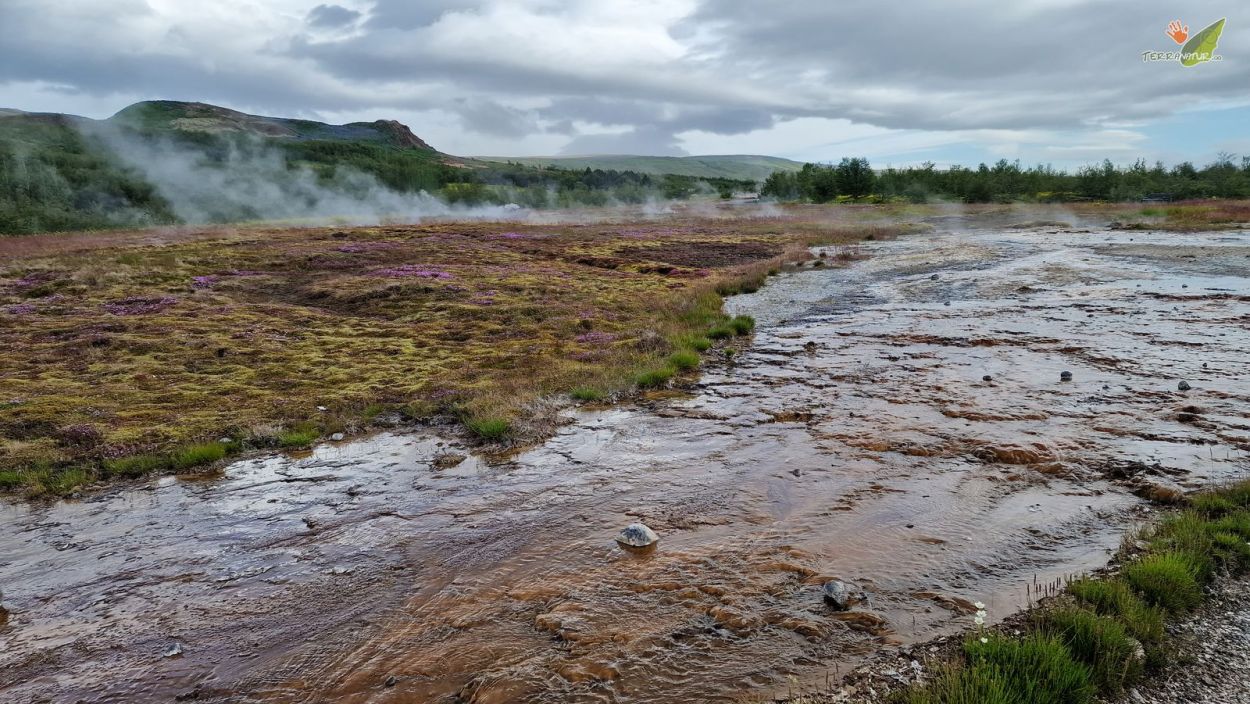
<point x="855" y="439"/>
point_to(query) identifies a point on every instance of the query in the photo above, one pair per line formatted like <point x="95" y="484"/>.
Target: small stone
<point x="173" y="651"/>
<point x="323" y="409"/>
<point x="933" y="278"/>
<point x="1065" y="376"/>
<point x="337" y="437"/>
<point x="637" y="535"/>
<point x="1183" y="386"/>
<point x="390" y="681"/>
<point x="225" y="441"/>
<point x="987" y="377"/>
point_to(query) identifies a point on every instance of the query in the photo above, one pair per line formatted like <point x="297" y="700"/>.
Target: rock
<point x="173" y="651"/>
<point x="337" y="437"/>
<point x="933" y="278"/>
<point x="987" y="377"/>
<point x="637" y="535"/>
<point x="841" y="595"/>
<point x="390" y="681"/>
<point x="224" y="441"/>
<point x="1065" y="376"/>
<point x="1183" y="386"/>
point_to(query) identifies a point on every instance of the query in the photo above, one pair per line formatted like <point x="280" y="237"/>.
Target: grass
<point x="683" y="361"/>
<point x="1106" y="633"/>
<point x="655" y="378"/>
<point x="490" y="429"/>
<point x="742" y="325"/>
<point x="587" y="393"/>
<point x="142" y="349"/>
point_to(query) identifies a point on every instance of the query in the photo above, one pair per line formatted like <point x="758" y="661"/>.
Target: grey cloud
<point x="332" y="16"/>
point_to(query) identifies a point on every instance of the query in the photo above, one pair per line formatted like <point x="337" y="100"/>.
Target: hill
<point x="734" y="166"/>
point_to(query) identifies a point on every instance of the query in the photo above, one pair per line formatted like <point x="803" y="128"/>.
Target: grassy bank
<point x="162" y="351"/>
<point x="1106" y="633"/>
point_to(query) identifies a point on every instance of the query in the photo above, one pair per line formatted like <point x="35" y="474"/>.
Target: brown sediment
<point x="856" y="441"/>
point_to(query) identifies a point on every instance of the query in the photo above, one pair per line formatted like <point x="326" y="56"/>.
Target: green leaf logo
<point x="1201" y="47"/>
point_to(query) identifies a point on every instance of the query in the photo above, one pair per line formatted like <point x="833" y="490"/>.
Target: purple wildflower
<point x="206" y="281"/>
<point x="21" y="309"/>
<point x="411" y="270"/>
<point x="139" y="305"/>
<point x="596" y="338"/>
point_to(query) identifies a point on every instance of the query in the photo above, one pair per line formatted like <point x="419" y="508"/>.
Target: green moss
<point x="683" y="361"/>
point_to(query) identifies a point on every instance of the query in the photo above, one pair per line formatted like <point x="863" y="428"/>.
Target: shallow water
<point x="855" y="439"/>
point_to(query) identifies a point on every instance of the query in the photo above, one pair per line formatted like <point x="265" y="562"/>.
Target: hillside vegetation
<point x="164" y="162"/>
<point x="749" y="167"/>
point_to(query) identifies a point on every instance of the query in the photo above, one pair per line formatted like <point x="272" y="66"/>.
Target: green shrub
<point x="1211" y="505"/>
<point x="683" y="361"/>
<point x="1168" y="580"/>
<point x="1114" y="597"/>
<point x="134" y="466"/>
<point x="1190" y="534"/>
<point x="489" y="428"/>
<point x="742" y="325"/>
<point x="298" y="437"/>
<point x="10" y="479"/>
<point x="721" y="332"/>
<point x="1102" y="643"/>
<point x="1036" y="668"/>
<point x="587" y="393"/>
<point x="66" y="480"/>
<point x="698" y="343"/>
<point x="977" y="684"/>
<point x="1237" y="523"/>
<point x="655" y="378"/>
<point x="196" y="455"/>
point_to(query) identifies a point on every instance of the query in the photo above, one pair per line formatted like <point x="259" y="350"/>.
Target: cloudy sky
<point x="950" y="81"/>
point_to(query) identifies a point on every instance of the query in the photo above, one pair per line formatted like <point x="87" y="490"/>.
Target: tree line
<point x="1008" y="181"/>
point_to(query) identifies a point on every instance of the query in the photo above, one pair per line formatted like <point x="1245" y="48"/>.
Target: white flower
<point x="980" y="606"/>
<point x="979" y="620"/>
<point x="984" y="639"/>
<point x="982" y="614"/>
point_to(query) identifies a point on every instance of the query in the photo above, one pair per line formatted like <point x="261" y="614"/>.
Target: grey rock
<point x="637" y="535"/>
<point x="1065" y="376"/>
<point x="173" y="651"/>
<point x="337" y="437"/>
<point x="841" y="595"/>
<point x="1183" y="386"/>
<point x="987" y="377"/>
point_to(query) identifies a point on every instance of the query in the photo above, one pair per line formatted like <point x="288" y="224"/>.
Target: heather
<point x="136" y="352"/>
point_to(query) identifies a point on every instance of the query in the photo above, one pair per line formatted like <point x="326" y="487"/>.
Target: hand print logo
<point x="1198" y="48"/>
<point x="1178" y="32"/>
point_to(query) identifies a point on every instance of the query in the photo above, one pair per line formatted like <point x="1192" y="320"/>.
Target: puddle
<point x="857" y="439"/>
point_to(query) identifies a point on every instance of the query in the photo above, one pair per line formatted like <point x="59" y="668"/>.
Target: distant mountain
<point x="735" y="166"/>
<point x="168" y="115"/>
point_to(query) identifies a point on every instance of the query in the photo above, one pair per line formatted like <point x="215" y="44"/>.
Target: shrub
<point x="721" y="332"/>
<point x="134" y="466"/>
<point x="587" y="393"/>
<point x="1102" y="643"/>
<point x="489" y="428"/>
<point x="698" y="343"/>
<point x="743" y="324"/>
<point x="978" y="684"/>
<point x="684" y="361"/>
<point x="1036" y="668"/>
<point x="196" y="455"/>
<point x="655" y="378"/>
<point x="1212" y="505"/>
<point x="1114" y="597"/>
<point x="1168" y="580"/>
<point x="298" y="437"/>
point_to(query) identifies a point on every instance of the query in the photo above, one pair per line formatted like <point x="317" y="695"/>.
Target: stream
<point x="856" y="438"/>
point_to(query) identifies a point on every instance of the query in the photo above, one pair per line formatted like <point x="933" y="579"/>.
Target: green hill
<point x="748" y="167"/>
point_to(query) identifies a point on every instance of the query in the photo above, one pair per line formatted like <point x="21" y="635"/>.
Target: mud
<point x="856" y="439"/>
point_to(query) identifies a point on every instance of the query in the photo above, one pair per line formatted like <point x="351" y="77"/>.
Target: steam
<point x="253" y="181"/>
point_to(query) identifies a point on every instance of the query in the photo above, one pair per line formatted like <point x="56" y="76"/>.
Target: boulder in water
<point x="1065" y="376"/>
<point x="841" y="595"/>
<point x="637" y="535"/>
<point x="1183" y="386"/>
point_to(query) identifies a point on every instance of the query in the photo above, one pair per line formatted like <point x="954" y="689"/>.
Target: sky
<point x="949" y="81"/>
